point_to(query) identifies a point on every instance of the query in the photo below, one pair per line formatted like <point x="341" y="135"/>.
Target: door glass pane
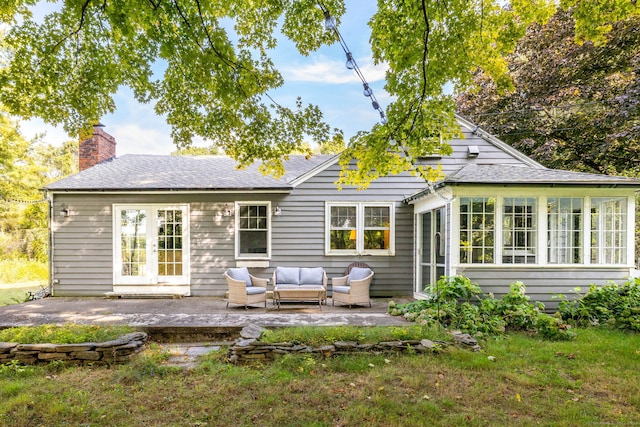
<point x="133" y="242"/>
<point x="425" y="261"/>
<point x="169" y="242"/>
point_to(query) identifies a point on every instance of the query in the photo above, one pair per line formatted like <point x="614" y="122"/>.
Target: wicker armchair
<point x="240" y="292"/>
<point x="353" y="289"/>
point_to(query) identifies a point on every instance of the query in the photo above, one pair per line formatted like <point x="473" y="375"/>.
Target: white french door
<point x="432" y="240"/>
<point x="151" y="246"/>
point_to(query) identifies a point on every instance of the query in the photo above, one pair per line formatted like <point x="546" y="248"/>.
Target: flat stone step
<point x="117" y="295"/>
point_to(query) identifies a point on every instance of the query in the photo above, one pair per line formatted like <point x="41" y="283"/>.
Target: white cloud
<point x="133" y="138"/>
<point x="55" y="136"/>
<point x="333" y="72"/>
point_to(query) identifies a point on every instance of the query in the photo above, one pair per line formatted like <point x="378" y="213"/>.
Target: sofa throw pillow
<point x="311" y="276"/>
<point x="358" y="273"/>
<point x="288" y="275"/>
<point x="240" y="273"/>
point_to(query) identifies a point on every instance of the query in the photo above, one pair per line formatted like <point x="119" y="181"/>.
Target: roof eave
<point x="286" y="189"/>
<point x="548" y="183"/>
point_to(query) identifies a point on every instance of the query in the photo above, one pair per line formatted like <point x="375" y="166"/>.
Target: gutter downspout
<point x="49" y="198"/>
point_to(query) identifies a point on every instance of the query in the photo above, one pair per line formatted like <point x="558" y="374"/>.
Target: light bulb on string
<point x="329" y="21"/>
<point x="367" y="90"/>
<point x="351" y="63"/>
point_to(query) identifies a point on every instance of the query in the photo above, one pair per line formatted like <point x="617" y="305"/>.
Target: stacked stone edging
<point x="249" y="348"/>
<point x="116" y="351"/>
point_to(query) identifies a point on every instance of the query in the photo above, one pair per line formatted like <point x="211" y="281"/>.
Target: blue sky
<point x="321" y="79"/>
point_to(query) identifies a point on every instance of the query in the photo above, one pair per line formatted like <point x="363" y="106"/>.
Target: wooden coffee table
<point x="300" y="294"/>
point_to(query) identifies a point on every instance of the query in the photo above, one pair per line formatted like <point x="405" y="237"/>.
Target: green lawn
<point x="16" y="293"/>
<point x="518" y="380"/>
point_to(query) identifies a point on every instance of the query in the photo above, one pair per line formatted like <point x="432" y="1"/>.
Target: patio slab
<point x="191" y="312"/>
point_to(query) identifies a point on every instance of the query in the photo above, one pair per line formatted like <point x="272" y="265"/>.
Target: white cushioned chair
<point x="244" y="288"/>
<point x="353" y="289"/>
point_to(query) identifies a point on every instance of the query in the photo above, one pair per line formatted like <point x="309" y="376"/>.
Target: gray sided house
<point x="164" y="224"/>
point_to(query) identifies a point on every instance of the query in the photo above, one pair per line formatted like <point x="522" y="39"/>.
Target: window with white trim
<point x="519" y="230"/>
<point x="477" y="229"/>
<point x="564" y="230"/>
<point x="575" y="230"/>
<point x="608" y="230"/>
<point x="253" y="233"/>
<point x="360" y="228"/>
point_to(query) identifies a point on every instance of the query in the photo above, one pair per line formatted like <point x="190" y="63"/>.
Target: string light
<point x="351" y="64"/>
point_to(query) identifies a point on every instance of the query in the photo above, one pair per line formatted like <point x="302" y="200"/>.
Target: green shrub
<point x="612" y="305"/>
<point x="517" y="309"/>
<point x="455" y="288"/>
<point x="18" y="270"/>
<point x="458" y="303"/>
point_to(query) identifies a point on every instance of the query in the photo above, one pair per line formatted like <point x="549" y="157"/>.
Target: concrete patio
<point x="192" y="314"/>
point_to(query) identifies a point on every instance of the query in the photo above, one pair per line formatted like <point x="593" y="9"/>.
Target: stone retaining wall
<point x="116" y="351"/>
<point x="248" y="348"/>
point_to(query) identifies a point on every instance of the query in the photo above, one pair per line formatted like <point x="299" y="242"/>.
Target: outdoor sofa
<point x="300" y="278"/>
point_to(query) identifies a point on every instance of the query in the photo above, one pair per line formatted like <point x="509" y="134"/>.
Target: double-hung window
<point x="564" y="230"/>
<point x="253" y="235"/>
<point x="608" y="230"/>
<point x="359" y="228"/>
<point x="477" y="229"/>
<point x="519" y="230"/>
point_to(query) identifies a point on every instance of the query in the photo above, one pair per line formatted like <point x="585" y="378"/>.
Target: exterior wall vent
<point x="473" y="151"/>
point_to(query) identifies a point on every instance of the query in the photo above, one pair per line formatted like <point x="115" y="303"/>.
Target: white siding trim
<point x="315" y="171"/>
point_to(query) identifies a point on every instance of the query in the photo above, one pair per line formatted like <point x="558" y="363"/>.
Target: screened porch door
<point x="151" y="253"/>
<point x="431" y="248"/>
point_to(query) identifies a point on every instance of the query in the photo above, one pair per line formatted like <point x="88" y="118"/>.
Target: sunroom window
<point x="477" y="229"/>
<point x="360" y="228"/>
<point x="608" y="230"/>
<point x="519" y="230"/>
<point x="564" y="225"/>
<point x="252" y="239"/>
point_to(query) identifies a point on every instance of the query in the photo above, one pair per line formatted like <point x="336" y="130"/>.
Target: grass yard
<point x="15" y="293"/>
<point x="519" y="380"/>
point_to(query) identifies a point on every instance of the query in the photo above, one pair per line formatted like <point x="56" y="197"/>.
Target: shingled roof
<point x="133" y="172"/>
<point x="473" y="174"/>
<point x="522" y="175"/>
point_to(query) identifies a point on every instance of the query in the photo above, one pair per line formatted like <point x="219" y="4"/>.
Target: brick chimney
<point x="99" y="147"/>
